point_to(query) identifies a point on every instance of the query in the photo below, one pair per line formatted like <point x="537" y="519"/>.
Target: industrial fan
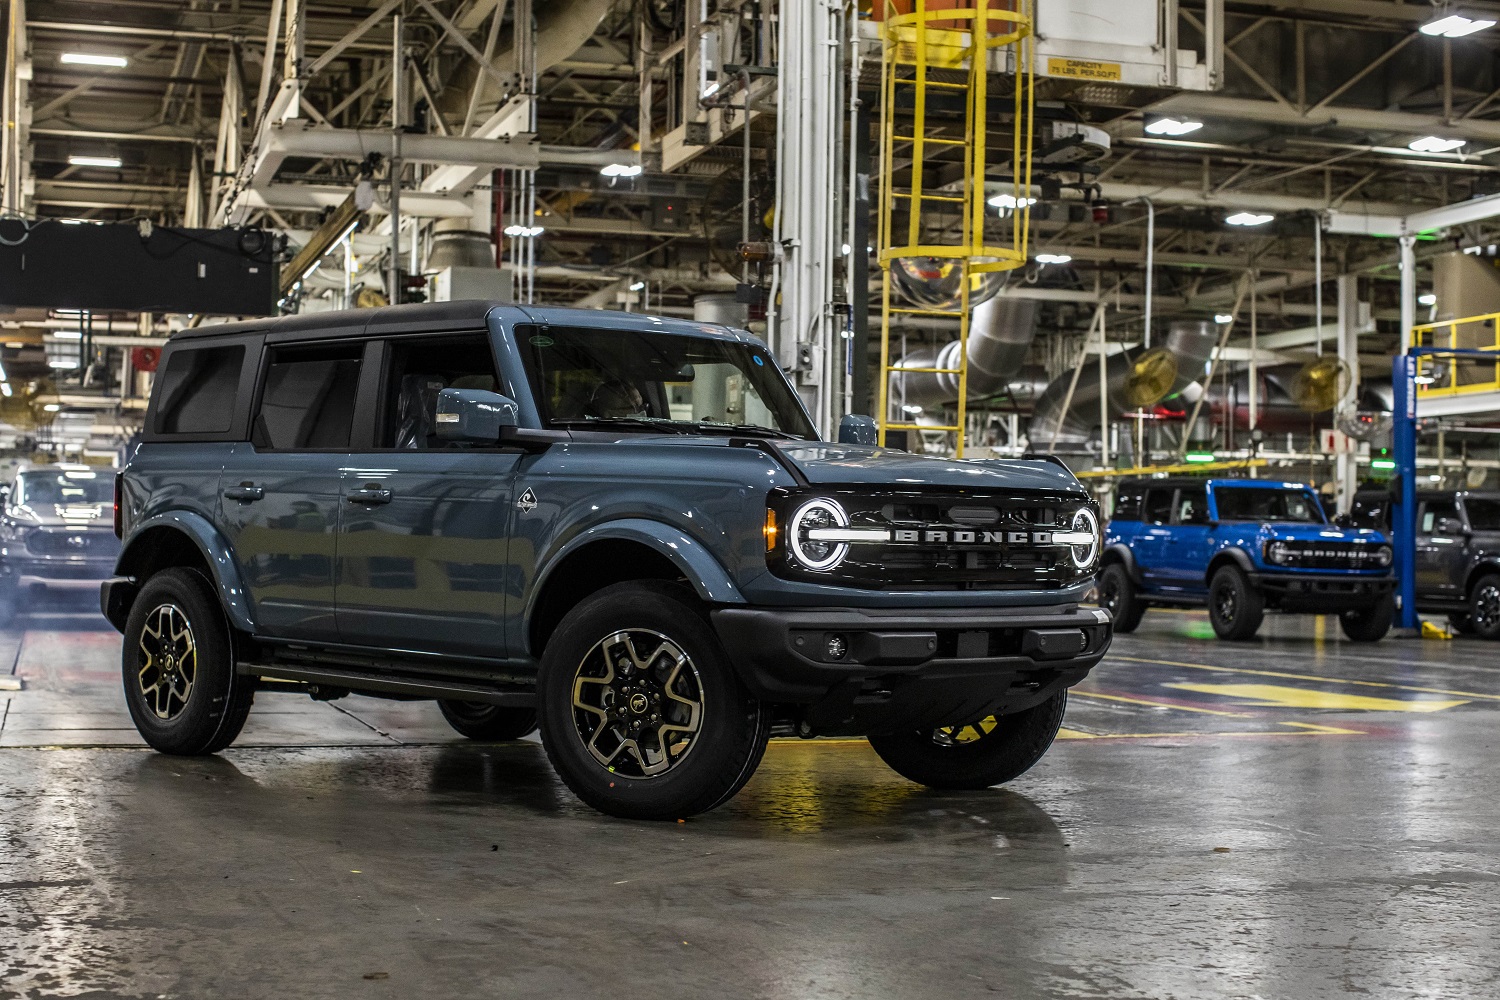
<point x="1321" y="383"/>
<point x="370" y="298"/>
<point x="1362" y="425"/>
<point x="26" y="407"/>
<point x="1151" y="377"/>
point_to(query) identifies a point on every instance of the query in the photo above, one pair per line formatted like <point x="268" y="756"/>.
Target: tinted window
<point x="1371" y="511"/>
<point x="1158" y="506"/>
<point x="308" y="399"/>
<point x="421" y="368"/>
<point x="1484" y="515"/>
<point x="1128" y="502"/>
<point x="1435" y="510"/>
<point x="1239" y="503"/>
<point x="197" y="392"/>
<point x="75" y="486"/>
<point x="1192" y="506"/>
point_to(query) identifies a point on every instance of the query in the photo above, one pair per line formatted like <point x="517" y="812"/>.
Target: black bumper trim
<point x="1326" y="592"/>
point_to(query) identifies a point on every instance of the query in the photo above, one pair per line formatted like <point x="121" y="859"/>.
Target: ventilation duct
<point x="1000" y="335"/>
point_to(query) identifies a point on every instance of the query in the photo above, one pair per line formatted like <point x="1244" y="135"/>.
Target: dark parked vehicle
<point x="57" y="542"/>
<point x="1458" y="553"/>
<point x="1242" y="546"/>
<point x="619" y="528"/>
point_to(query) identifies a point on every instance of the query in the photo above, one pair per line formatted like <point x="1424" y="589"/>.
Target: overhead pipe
<point x="1000" y="335"/>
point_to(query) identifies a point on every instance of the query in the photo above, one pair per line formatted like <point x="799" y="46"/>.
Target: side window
<point x="418" y="369"/>
<point x="1192" y="506"/>
<point x="308" y="398"/>
<point x="1158" y="506"/>
<point x="1128" y="502"/>
<point x="1434" y="511"/>
<point x="197" y="392"/>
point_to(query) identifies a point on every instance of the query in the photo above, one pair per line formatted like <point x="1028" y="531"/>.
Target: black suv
<point x="56" y="539"/>
<point x="1458" y="553"/>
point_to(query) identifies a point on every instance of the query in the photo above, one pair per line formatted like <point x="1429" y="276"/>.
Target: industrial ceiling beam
<point x="1272" y="113"/>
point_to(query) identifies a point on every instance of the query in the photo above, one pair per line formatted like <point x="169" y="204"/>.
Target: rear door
<point x="424" y="554"/>
<point x="279" y="494"/>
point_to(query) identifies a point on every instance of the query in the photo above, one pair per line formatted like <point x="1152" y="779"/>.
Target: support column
<point x="1404" y="505"/>
<point x="1408" y="290"/>
<point x="1350" y="325"/>
<point x="16" y="182"/>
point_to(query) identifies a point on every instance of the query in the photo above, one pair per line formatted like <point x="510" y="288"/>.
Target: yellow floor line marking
<point x="1279" y="696"/>
<point x="1308" y="677"/>
<point x="1075" y="693"/>
<point x="1302" y="729"/>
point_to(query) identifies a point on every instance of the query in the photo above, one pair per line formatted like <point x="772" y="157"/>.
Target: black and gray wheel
<point x="641" y="712"/>
<point x="178" y="663"/>
<point x="989" y="752"/>
<point x="1235" y="608"/>
<point x="1460" y="623"/>
<point x="1117" y="596"/>
<point x="1484" y="607"/>
<point x="491" y="723"/>
<point x="1369" y="624"/>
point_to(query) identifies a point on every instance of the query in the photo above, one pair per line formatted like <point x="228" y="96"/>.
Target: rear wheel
<point x="1235" y="608"/>
<point x="1484" y="607"/>
<point x="492" y="723"/>
<point x="178" y="664"/>
<point x="989" y="752"/>
<point x="1369" y="624"/>
<point x="641" y="712"/>
<point x="1118" y="597"/>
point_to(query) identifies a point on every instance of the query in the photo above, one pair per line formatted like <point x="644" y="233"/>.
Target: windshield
<point x="1370" y="512"/>
<point x="40" y="489"/>
<point x="657" y="382"/>
<point x="1484" y="515"/>
<point x="1237" y="503"/>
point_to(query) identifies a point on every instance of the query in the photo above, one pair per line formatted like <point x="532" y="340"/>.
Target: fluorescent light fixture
<point x="3" y="376"/>
<point x="62" y="364"/>
<point x="1248" y="219"/>
<point x="6" y="390"/>
<point x="636" y="286"/>
<point x="92" y="59"/>
<point x="1008" y="201"/>
<point x="112" y="162"/>
<point x="1172" y="126"/>
<point x="525" y="230"/>
<point x="1199" y="457"/>
<point x="1435" y="144"/>
<point x="1434" y="478"/>
<point x="847" y="249"/>
<point x="1382" y="463"/>
<point x="1427" y="299"/>
<point x="68" y="334"/>
<point x="1222" y="318"/>
<point x="1455" y="26"/>
<point x="52" y="407"/>
<point x="71" y="222"/>
<point x="1424" y="379"/>
<point x="1053" y="258"/>
<point x="915" y="411"/>
<point x="621" y="170"/>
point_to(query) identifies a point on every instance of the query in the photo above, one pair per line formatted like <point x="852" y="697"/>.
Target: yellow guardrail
<point x="1142" y="471"/>
<point x="1440" y="376"/>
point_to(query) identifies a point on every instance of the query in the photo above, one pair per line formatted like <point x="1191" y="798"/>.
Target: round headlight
<point x="812" y="517"/>
<point x="1279" y="553"/>
<point x="1085" y="554"/>
<point x="1382" y="556"/>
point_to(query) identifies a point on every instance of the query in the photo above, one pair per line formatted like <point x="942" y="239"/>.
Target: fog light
<point x="837" y="647"/>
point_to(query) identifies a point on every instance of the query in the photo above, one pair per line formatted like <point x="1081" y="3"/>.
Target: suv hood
<point x="849" y="464"/>
<point x="1277" y="531"/>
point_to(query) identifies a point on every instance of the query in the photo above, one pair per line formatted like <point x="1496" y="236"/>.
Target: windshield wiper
<point x="675" y="426"/>
<point x="758" y="429"/>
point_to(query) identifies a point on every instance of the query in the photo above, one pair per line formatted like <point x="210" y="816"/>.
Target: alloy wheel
<point x="973" y="732"/>
<point x="1225" y="604"/>
<point x="1486" y="611"/>
<point x="637" y="703"/>
<point x="169" y="661"/>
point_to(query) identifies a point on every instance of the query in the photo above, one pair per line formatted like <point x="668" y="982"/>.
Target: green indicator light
<point x="1382" y="463"/>
<point x="1199" y="456"/>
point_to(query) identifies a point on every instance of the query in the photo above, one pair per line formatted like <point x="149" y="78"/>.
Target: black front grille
<point x="87" y="542"/>
<point x="1328" y="555"/>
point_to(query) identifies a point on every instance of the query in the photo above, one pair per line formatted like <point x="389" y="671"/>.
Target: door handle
<point x="370" y="495"/>
<point x="245" y="493"/>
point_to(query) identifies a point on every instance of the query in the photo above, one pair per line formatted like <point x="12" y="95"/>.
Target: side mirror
<point x="473" y="416"/>
<point x="1343" y="521"/>
<point x="856" y="428"/>
<point x="1449" y="526"/>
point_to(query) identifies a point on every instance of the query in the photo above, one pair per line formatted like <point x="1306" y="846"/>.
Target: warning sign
<point x="1082" y="69"/>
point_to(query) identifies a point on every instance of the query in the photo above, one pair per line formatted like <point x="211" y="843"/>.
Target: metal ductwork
<point x="1000" y="335"/>
<point x="1077" y="427"/>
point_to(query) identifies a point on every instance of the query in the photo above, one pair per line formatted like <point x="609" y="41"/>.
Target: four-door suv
<point x="1241" y="546"/>
<point x="1458" y="553"/>
<point x="56" y="542"/>
<point x="619" y="528"/>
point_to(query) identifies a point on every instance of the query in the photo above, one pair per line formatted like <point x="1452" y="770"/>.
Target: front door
<point x="1440" y="553"/>
<point x="1186" y="556"/>
<point x="1156" y="529"/>
<point x="280" y="491"/>
<point x="424" y="550"/>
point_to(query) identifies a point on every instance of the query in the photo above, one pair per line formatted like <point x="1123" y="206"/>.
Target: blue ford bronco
<point x="619" y="529"/>
<point x="1241" y="546"/>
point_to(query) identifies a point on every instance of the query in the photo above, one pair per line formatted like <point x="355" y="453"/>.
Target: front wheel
<point x="989" y="752"/>
<point x="1461" y="624"/>
<point x="1235" y="608"/>
<point x="491" y="723"/>
<point x="1484" y="607"/>
<point x="1117" y="595"/>
<point x="1369" y="624"/>
<point x="642" y="714"/>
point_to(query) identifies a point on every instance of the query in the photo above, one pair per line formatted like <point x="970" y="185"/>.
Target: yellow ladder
<point x="913" y="47"/>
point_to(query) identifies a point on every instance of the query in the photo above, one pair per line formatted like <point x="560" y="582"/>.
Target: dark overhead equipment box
<point x="138" y="267"/>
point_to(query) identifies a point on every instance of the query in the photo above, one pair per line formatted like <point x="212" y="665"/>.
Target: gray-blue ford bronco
<point x="619" y="529"/>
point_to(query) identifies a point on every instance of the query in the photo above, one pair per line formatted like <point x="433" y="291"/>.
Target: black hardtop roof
<point x="1177" y="482"/>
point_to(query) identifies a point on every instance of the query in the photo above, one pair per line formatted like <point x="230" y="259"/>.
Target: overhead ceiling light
<point x="621" y="170"/>
<point x="1222" y="318"/>
<point x="1456" y="26"/>
<point x="1172" y="126"/>
<point x="1435" y="144"/>
<point x="53" y="407"/>
<point x="68" y="334"/>
<point x="92" y="59"/>
<point x="1009" y="201"/>
<point x="525" y="230"/>
<point x="6" y="390"/>
<point x="636" y="286"/>
<point x="1053" y="258"/>
<point x="1427" y="299"/>
<point x="112" y="162"/>
<point x="1248" y="219"/>
<point x="62" y="364"/>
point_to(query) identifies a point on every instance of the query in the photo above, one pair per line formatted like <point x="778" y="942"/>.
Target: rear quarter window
<point x="197" y="393"/>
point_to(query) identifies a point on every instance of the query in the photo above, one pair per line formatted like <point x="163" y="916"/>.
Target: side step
<point x="359" y="680"/>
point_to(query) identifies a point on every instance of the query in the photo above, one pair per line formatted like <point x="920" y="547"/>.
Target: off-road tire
<point x="1369" y="624"/>
<point x="216" y="705"/>
<point x="1118" y="596"/>
<point x="1235" y="608"/>
<point x="1484" y="607"/>
<point x="490" y="723"/>
<point x="1461" y="623"/>
<point x="1005" y="752"/>
<point x="733" y="728"/>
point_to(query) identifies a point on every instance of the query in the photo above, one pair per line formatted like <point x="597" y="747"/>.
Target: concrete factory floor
<point x="1296" y="817"/>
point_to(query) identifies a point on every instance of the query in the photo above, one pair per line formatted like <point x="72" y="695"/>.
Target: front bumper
<point x="59" y="578"/>
<point x="1322" y="592"/>
<point x="863" y="670"/>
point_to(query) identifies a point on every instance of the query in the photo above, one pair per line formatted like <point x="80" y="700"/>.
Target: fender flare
<point x="1234" y="555"/>
<point x="1484" y="566"/>
<point x="214" y="548"/>
<point x="1122" y="551"/>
